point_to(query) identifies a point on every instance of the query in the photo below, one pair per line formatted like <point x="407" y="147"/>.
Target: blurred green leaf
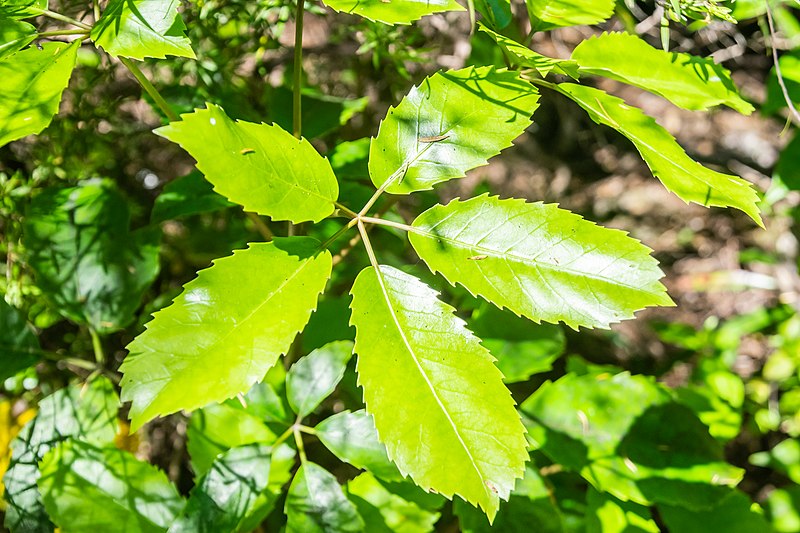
<point x="606" y="514"/>
<point x="14" y="35"/>
<point x="384" y="511"/>
<point x="395" y="12"/>
<point x="33" y="81"/>
<point x="188" y="195"/>
<point x="352" y="438"/>
<point x="548" y="14"/>
<point x="86" y="412"/>
<point x="717" y="402"/>
<point x="316" y="503"/>
<point x="496" y="13"/>
<point x="86" y="259"/>
<point x="86" y="488"/>
<point x="783" y="509"/>
<point x="321" y="113"/>
<point x="20" y="9"/>
<point x="783" y="457"/>
<point x="734" y="513"/>
<point x="19" y="346"/>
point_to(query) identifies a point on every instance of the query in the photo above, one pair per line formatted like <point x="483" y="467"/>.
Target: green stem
<point x="260" y="225"/>
<point x="349" y="212"/>
<point x="61" y="32"/>
<point x="283" y="437"/>
<point x="97" y="346"/>
<point x="62" y="18"/>
<point x="338" y="234"/>
<point x="306" y="429"/>
<point x="368" y="245"/>
<point x="298" y="439"/>
<point x="297" y="86"/>
<point x="384" y="222"/>
<point x="96" y="9"/>
<point x="150" y="89"/>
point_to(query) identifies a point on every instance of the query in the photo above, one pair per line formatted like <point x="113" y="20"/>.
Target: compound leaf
<point x="539" y="261"/>
<point x="86" y="488"/>
<point x="463" y="436"/>
<point x="33" y="81"/>
<point x="452" y="122"/>
<point x="86" y="259"/>
<point x="227" y="492"/>
<point x="14" y="35"/>
<point x="525" y="57"/>
<point x="679" y="173"/>
<point x="316" y="503"/>
<point x="142" y="28"/>
<point x="547" y="14"/>
<point x="259" y="166"/>
<point x="687" y="81"/>
<point x="85" y="412"/>
<point x="313" y="377"/>
<point x="19" y="346"/>
<point x="226" y="329"/>
<point x="353" y="439"/>
<point x="394" y="12"/>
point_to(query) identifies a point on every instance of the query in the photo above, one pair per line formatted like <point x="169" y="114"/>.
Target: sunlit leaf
<point x="352" y="438"/>
<point x="688" y="81"/>
<point x="525" y="57"/>
<point x="452" y="122"/>
<point x="547" y="14"/>
<point x="88" y="413"/>
<point x="606" y="514"/>
<point x="14" y="35"/>
<point x="86" y="259"/>
<point x="226" y="329"/>
<point x="463" y="436"/>
<point x="227" y="492"/>
<point x="678" y="172"/>
<point x="142" y="28"/>
<point x="386" y="511"/>
<point x="33" y="81"/>
<point x="539" y="261"/>
<point x="20" y="9"/>
<point x="88" y="488"/>
<point x="313" y="378"/>
<point x="259" y="166"/>
<point x="317" y="504"/>
<point x="394" y="12"/>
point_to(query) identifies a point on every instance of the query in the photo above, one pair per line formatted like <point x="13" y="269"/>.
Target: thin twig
<point x="795" y="113"/>
<point x="260" y="225"/>
<point x="62" y="18"/>
<point x="150" y="89"/>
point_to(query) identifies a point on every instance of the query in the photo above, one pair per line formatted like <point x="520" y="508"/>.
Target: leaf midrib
<point x="381" y="283"/>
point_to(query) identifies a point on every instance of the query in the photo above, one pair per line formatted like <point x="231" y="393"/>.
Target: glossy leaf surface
<point x="226" y="329"/>
<point x="227" y="492"/>
<point x="452" y="122"/>
<point x="525" y="57"/>
<point x="679" y="173"/>
<point x="259" y="166"/>
<point x="33" y="81"/>
<point x="14" y="35"/>
<point x="352" y="437"/>
<point x="463" y="436"/>
<point x="87" y="488"/>
<point x="539" y="261"/>
<point x="142" y="28"/>
<point x="547" y="14"/>
<point x="19" y="346"/>
<point x="86" y="259"/>
<point x="395" y="12"/>
<point x="316" y="503"/>
<point x="639" y="447"/>
<point x="687" y="81"/>
<point x="385" y="509"/>
<point x="89" y="414"/>
<point x="313" y="378"/>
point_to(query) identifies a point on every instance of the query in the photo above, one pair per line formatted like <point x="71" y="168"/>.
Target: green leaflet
<point x="525" y="57"/>
<point x="640" y="447"/>
<point x="14" y="35"/>
<point x="85" y="412"/>
<point x="142" y="28"/>
<point x="313" y="378"/>
<point x="19" y="345"/>
<point x="687" y="81"/>
<point x="258" y="166"/>
<point x="606" y="514"/>
<point x="86" y="259"/>
<point x="394" y="12"/>
<point x="21" y="9"/>
<point x="679" y="173"/>
<point x="33" y="81"/>
<point x="226" y="329"/>
<point x="452" y="122"/>
<point x="385" y="509"/>
<point x="539" y="261"/>
<point x="735" y="513"/>
<point x="188" y="195"/>
<point x="86" y="488"/>
<point x="353" y="439"/>
<point x="547" y="14"/>
<point x="463" y="436"/>
<point x="497" y="13"/>
<point x="317" y="504"/>
<point x="227" y="492"/>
